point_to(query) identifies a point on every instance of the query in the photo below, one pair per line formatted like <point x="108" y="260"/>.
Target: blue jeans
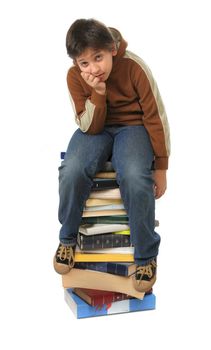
<point x="132" y="157"/>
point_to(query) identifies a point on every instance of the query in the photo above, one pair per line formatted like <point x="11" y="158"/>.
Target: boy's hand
<point x="160" y="183"/>
<point x="94" y="82"/>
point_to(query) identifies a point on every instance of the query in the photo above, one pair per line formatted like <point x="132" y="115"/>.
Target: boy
<point x="120" y="113"/>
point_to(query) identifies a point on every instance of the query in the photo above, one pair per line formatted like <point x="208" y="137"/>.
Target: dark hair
<point x="87" y="33"/>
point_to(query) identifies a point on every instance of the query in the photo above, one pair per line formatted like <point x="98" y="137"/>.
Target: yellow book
<point x="100" y="257"/>
<point x="124" y="232"/>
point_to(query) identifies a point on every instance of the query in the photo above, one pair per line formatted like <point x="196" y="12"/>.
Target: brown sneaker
<point x="64" y="259"/>
<point x="145" y="276"/>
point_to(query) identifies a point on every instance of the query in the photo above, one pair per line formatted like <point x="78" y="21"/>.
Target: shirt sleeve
<point x="154" y="114"/>
<point x="90" y="111"/>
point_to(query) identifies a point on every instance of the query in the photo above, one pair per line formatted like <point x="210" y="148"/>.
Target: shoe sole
<point x="62" y="269"/>
<point x="144" y="286"/>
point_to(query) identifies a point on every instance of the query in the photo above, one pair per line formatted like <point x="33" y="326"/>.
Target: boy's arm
<point x="90" y="111"/>
<point x="154" y="117"/>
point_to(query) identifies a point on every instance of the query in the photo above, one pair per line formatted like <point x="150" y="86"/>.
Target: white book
<point x="105" y="207"/>
<point x="119" y="250"/>
<point x="94" y="229"/>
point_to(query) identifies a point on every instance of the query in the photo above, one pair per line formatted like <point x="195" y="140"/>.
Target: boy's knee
<point x="71" y="171"/>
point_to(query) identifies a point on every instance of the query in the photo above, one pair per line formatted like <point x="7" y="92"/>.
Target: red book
<point x="98" y="298"/>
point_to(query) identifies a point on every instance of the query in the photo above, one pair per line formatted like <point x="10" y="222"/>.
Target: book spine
<point x="109" y="267"/>
<point x="115" y="219"/>
<point x="104" y="184"/>
<point x="103" y="241"/>
<point x="106" y="299"/>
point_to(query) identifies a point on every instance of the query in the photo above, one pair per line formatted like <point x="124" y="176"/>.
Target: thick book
<point x="121" y="269"/>
<point x="99" y="241"/>
<point x="111" y="219"/>
<point x="82" y="310"/>
<point x="92" y="229"/>
<point x="104" y="213"/>
<point x="78" y="278"/>
<point x="104" y="184"/>
<point x="113" y="193"/>
<point x="98" y="298"/>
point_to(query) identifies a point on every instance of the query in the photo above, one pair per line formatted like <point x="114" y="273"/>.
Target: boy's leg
<point x="132" y="159"/>
<point x="84" y="157"/>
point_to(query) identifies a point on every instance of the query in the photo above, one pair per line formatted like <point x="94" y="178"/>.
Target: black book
<point x="104" y="184"/>
<point x="113" y="219"/>
<point x="106" y="240"/>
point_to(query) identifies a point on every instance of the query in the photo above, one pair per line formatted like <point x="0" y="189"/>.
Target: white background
<point x="36" y="124"/>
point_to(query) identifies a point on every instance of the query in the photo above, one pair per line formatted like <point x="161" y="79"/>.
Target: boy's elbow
<point x="92" y="130"/>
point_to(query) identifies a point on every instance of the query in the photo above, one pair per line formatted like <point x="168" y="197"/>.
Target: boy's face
<point x="96" y="62"/>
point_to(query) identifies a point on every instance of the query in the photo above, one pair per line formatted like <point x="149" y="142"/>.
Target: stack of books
<point x="100" y="282"/>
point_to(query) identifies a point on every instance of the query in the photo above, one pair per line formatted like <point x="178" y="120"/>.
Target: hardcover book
<point x="121" y="269"/>
<point x="92" y="229"/>
<point x="109" y="251"/>
<point x="77" y="278"/>
<point x="106" y="175"/>
<point x="100" y="257"/>
<point x="82" y="310"/>
<point x="113" y="193"/>
<point x="104" y="213"/>
<point x="111" y="219"/>
<point x="98" y="298"/>
<point x="105" y="207"/>
<point x="101" y="241"/>
<point x="93" y="202"/>
<point x="104" y="184"/>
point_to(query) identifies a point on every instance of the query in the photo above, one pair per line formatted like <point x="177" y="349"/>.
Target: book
<point x="99" y="241"/>
<point x="106" y="175"/>
<point x="77" y="278"/>
<point x="104" y="213"/>
<point x="83" y="310"/>
<point x="113" y="193"/>
<point x="93" y="202"/>
<point x="119" y="250"/>
<point x="104" y="184"/>
<point x="98" y="298"/>
<point x="92" y="229"/>
<point x="105" y="207"/>
<point x="118" y="268"/>
<point x="111" y="219"/>
<point x="81" y="256"/>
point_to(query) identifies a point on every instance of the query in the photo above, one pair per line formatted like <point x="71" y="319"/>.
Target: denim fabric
<point x="132" y="157"/>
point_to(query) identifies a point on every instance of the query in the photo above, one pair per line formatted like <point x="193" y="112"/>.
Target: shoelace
<point x="145" y="270"/>
<point x="66" y="253"/>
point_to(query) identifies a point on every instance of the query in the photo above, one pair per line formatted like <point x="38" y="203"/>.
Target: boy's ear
<point x="114" y="50"/>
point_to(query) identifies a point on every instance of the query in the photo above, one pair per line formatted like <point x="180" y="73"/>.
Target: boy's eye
<point x="84" y="64"/>
<point x="98" y="57"/>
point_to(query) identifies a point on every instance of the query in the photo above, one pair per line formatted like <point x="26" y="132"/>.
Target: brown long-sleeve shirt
<point x="132" y="98"/>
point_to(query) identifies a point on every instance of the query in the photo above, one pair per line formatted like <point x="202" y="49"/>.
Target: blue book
<point x="121" y="269"/>
<point x="82" y="310"/>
